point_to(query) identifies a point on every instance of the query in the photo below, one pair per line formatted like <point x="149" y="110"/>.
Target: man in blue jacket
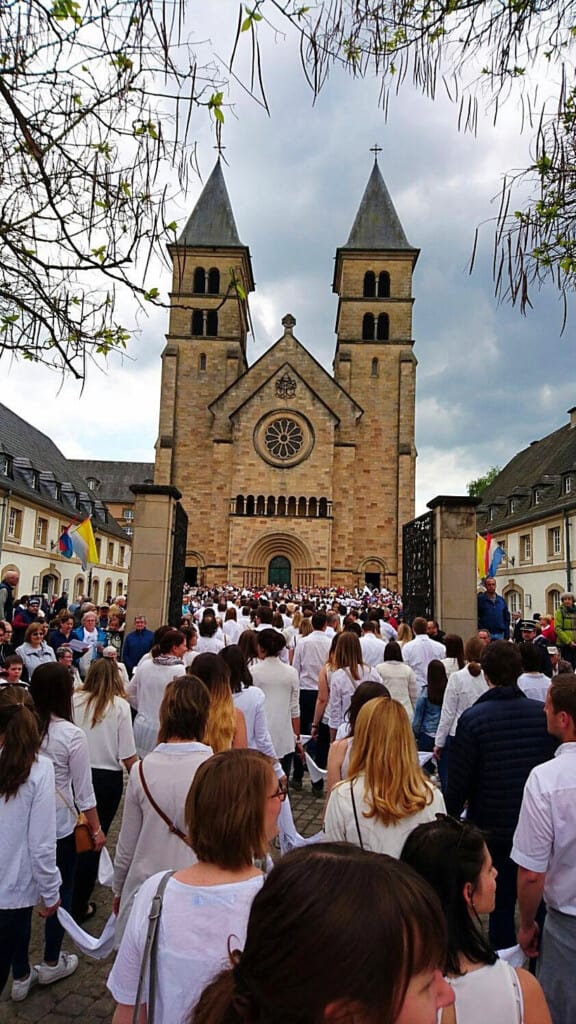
<point x="137" y="644"/>
<point x="498" y="741"/>
<point x="493" y="613"/>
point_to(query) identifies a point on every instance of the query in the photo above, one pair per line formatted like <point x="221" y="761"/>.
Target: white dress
<point x="145" y="844"/>
<point x="279" y="683"/>
<point x="145" y="693"/>
<point x="491" y="993"/>
<point x="198" y="925"/>
<point x="340" y="824"/>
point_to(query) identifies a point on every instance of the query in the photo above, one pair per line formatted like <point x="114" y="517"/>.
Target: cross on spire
<point x="376" y="149"/>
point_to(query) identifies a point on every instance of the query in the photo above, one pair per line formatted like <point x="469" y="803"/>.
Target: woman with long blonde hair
<point x="102" y="711"/>
<point x="347" y="674"/>
<point x="386" y="794"/>
<point x="226" y="726"/>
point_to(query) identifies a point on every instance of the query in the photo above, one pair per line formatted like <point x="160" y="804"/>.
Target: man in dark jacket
<point x="137" y="644"/>
<point x="499" y="740"/>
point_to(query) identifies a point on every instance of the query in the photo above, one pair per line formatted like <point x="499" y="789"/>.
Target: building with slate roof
<point x="110" y="483"/>
<point x="530" y="508"/>
<point x="41" y="492"/>
<point x="289" y="473"/>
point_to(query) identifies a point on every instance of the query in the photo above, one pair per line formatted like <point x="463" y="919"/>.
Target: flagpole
<point x="89" y="581"/>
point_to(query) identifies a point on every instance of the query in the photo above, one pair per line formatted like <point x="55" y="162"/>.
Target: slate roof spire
<point x="211" y="222"/>
<point x="377" y="225"/>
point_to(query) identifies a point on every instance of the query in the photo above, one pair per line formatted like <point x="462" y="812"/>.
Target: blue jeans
<point x="15" y="927"/>
<point x="54" y="933"/>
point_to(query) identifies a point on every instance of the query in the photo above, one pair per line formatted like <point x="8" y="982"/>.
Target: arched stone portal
<point x="279" y="552"/>
<point x="279" y="571"/>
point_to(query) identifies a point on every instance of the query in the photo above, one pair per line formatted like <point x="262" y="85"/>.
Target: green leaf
<point x="152" y="294"/>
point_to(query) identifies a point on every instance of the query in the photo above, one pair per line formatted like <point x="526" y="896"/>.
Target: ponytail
<point x="20" y="739"/>
<point x="472" y="652"/>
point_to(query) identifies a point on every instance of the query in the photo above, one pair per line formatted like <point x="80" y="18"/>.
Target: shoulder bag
<point x="150" y="954"/>
<point x="172" y="827"/>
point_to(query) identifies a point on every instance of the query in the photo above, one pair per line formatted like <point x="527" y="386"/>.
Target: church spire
<point x="211" y="222"/>
<point x="377" y="225"/>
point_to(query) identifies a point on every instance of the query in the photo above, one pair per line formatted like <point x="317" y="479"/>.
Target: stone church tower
<point x="288" y="474"/>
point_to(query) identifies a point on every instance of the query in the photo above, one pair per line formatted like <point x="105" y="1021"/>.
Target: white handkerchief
<point x="105" y="868"/>
<point x="97" y="948"/>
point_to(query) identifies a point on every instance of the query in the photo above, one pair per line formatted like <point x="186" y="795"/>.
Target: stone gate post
<point x="455" y="563"/>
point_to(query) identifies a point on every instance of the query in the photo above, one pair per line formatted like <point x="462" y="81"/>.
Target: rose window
<point x="283" y="438"/>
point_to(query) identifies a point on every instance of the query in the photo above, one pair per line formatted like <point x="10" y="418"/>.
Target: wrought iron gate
<point x="179" y="540"/>
<point x="418" y="567"/>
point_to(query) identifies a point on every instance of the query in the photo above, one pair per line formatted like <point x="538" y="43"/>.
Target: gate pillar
<point x="455" y="563"/>
<point x="158" y="558"/>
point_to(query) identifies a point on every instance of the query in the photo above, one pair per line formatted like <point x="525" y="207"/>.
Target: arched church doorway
<point x="49" y="584"/>
<point x="279" y="571"/>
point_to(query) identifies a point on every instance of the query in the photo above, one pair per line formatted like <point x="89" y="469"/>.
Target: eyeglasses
<point x="280" y="794"/>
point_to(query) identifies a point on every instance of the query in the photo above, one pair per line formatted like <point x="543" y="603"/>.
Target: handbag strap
<point x="149" y="956"/>
<point x="173" y="828"/>
<point x="356" y="815"/>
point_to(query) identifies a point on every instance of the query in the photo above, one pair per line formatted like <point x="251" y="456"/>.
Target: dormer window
<point x="6" y="465"/>
<point x="92" y="483"/>
<point x="513" y="506"/>
<point x="35" y="479"/>
<point x="537" y="496"/>
<point x="567" y="485"/>
<point x="491" y="513"/>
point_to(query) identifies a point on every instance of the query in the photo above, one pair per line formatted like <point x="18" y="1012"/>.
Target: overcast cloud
<point x="489" y="380"/>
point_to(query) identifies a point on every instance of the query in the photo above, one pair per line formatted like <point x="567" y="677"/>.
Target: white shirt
<point x="419" y="652"/>
<point x="145" y="693"/>
<point x="490" y="993"/>
<point x="340" y="824"/>
<point x="28" y="841"/>
<point x="534" y="684"/>
<point x="342" y="689"/>
<point x="198" y="925"/>
<point x="401" y="683"/>
<point x="309" y="656"/>
<point x="545" y="837"/>
<point x="67" y="747"/>
<point x="111" y="740"/>
<point x="462" y="691"/>
<point x="372" y="649"/>
<point x="250" y="702"/>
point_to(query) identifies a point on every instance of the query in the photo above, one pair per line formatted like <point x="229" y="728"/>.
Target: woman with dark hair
<point x="146" y="842"/>
<point x="454" y="859"/>
<point x="27" y="837"/>
<point x="399" y="677"/>
<point x="276" y="982"/>
<point x="211" y="639"/>
<point x="146" y="688"/>
<point x="340" y="751"/>
<point x="231" y="628"/>
<point x="429" y="706"/>
<point x="386" y="794"/>
<point x="462" y="690"/>
<point x="226" y="726"/>
<point x="248" y="644"/>
<point x="231" y="816"/>
<point x="280" y="685"/>
<point x="349" y="672"/>
<point x="66" y="746"/>
<point x="454" y="659"/>
<point x="250" y="700"/>
<point x="102" y="711"/>
<point x="6" y="645"/>
<point x="35" y="651"/>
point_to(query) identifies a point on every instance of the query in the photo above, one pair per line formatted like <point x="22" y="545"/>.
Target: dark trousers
<point x="502" y="929"/>
<point x="15" y="927"/>
<point x="569" y="654"/>
<point x="108" y="790"/>
<point x="54" y="933"/>
<point x="307" y="708"/>
<point x="286" y="763"/>
<point x="443" y="764"/>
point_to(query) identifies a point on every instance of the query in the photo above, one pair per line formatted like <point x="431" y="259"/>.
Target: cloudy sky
<point x="489" y="380"/>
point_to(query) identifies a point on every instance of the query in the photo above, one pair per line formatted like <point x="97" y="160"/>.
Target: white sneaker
<point x="22" y="986"/>
<point x="66" y="965"/>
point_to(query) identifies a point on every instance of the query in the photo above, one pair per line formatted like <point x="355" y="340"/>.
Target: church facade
<point x="289" y="474"/>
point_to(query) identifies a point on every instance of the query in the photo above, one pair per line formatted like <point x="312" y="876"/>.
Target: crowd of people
<point x="443" y="764"/>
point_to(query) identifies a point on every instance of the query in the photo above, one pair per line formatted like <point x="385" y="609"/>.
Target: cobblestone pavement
<point x="84" y="995"/>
